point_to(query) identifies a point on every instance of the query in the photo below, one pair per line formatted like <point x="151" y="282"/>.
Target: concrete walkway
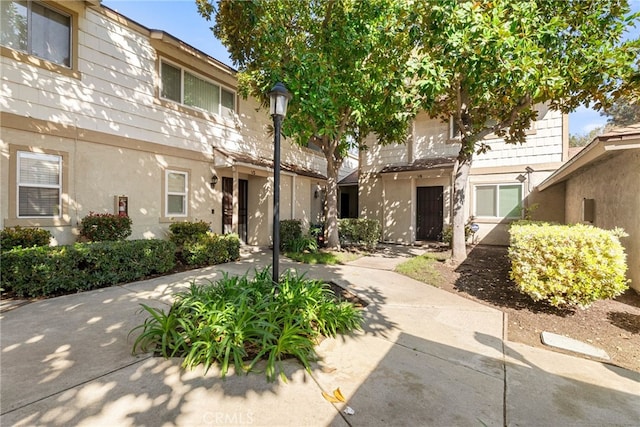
<point x="425" y="357"/>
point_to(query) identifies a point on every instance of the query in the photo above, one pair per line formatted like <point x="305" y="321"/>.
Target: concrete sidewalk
<point x="425" y="357"/>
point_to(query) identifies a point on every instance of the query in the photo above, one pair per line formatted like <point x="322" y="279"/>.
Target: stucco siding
<point x="613" y="184"/>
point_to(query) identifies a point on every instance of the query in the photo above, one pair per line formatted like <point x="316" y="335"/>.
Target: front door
<point x="227" y="207"/>
<point x="429" y="213"/>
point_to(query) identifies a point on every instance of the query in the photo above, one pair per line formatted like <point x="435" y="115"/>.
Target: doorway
<point x="429" y="213"/>
<point x="227" y="207"/>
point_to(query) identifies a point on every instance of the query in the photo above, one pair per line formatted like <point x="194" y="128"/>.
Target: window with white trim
<point x="498" y="200"/>
<point x="183" y="86"/>
<point x="39" y="184"/>
<point x="176" y="191"/>
<point x="36" y="29"/>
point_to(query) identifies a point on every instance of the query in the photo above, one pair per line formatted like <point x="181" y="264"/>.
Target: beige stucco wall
<point x="118" y="134"/>
<point x="393" y="203"/>
<point x="97" y="172"/>
<point x="613" y="184"/>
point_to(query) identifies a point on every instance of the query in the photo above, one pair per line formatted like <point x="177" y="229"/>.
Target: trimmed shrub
<point x="210" y="249"/>
<point x="290" y="230"/>
<point x="58" y="270"/>
<point x="19" y="237"/>
<point x="359" y="232"/>
<point x="567" y="265"/>
<point x="105" y="227"/>
<point x="181" y="232"/>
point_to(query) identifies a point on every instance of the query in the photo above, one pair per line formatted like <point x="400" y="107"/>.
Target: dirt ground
<point x="612" y="325"/>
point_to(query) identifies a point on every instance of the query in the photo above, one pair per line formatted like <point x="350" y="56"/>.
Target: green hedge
<point x="105" y="227"/>
<point x="210" y="249"/>
<point x="19" y="237"/>
<point x="290" y="232"/>
<point x="359" y="232"/>
<point x="49" y="271"/>
<point x="567" y="265"/>
<point x="181" y="232"/>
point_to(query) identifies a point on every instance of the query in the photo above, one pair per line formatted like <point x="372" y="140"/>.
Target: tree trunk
<point x="331" y="229"/>
<point x="458" y="240"/>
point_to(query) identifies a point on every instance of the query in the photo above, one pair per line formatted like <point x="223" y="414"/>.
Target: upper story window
<point x="39" y="185"/>
<point x="180" y="85"/>
<point x="36" y="29"/>
<point x="498" y="200"/>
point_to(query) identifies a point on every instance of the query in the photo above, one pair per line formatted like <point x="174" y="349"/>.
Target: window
<point x="498" y="200"/>
<point x="176" y="193"/>
<point x="36" y="29"/>
<point x="454" y="129"/>
<point x="39" y="185"/>
<point x="182" y="86"/>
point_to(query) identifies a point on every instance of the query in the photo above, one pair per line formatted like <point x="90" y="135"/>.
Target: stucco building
<point x="601" y="186"/>
<point x="99" y="113"/>
<point x="408" y="187"/>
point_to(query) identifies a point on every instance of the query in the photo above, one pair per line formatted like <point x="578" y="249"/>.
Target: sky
<point x="180" y="18"/>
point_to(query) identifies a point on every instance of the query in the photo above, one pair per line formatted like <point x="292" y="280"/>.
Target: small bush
<point x="19" y="237"/>
<point x="359" y="232"/>
<point x="290" y="230"/>
<point x="447" y="233"/>
<point x="181" y="232"/>
<point x="211" y="249"/>
<point x="50" y="271"/>
<point x="105" y="227"/>
<point x="239" y="321"/>
<point x="306" y="243"/>
<point x="567" y="265"/>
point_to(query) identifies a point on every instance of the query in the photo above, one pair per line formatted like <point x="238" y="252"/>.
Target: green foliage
<point x="290" y="231"/>
<point x="104" y="227"/>
<point x="323" y="257"/>
<point x="624" y="111"/>
<point x="492" y="65"/>
<point x="581" y="140"/>
<point x="567" y="265"/>
<point x="359" y="232"/>
<point x="238" y="321"/>
<point x="345" y="63"/>
<point x="447" y="233"/>
<point x="57" y="270"/>
<point x="19" y="237"/>
<point x="210" y="249"/>
<point x="306" y="243"/>
<point x="181" y="232"/>
<point x="423" y="268"/>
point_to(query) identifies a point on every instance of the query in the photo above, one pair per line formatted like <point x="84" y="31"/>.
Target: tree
<point x="346" y="62"/>
<point x="500" y="58"/>
<point x="580" y="140"/>
<point x="623" y="112"/>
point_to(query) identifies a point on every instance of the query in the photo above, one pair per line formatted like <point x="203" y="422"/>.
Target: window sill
<point x="16" y="55"/>
<point x="172" y="219"/>
<point x="37" y="222"/>
<point x="494" y="220"/>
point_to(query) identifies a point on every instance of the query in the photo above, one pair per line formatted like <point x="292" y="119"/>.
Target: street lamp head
<point x="279" y="98"/>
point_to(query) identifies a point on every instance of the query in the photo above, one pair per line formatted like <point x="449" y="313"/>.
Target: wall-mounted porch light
<point x="214" y="181"/>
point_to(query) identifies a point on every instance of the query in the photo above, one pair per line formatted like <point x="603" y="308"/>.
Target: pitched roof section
<point x="248" y="160"/>
<point x="422" y="164"/>
<point x="602" y="146"/>
<point x="351" y="179"/>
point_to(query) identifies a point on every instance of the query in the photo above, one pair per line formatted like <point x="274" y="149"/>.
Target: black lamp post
<point x="279" y="97"/>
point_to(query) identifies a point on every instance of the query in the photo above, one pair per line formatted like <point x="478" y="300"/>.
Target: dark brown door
<point x="429" y="213"/>
<point x="227" y="207"/>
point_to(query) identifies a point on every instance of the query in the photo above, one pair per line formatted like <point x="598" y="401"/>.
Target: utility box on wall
<point x="121" y="205"/>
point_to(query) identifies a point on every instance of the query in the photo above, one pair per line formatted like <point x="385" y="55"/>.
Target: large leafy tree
<point x="499" y="58"/>
<point x="346" y="62"/>
<point x="624" y="111"/>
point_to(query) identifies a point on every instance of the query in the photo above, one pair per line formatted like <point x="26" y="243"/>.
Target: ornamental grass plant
<point x="240" y="320"/>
